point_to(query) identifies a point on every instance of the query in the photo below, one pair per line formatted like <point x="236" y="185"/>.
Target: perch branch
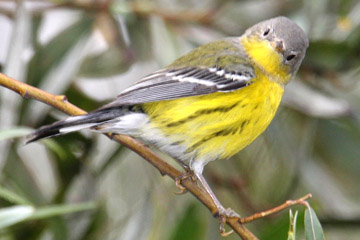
<point x="61" y="103"/>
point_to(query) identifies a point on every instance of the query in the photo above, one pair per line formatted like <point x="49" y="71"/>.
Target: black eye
<point x="267" y="31"/>
<point x="290" y="57"/>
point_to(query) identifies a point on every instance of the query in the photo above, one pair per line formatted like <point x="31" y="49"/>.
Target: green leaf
<point x="12" y="215"/>
<point x="56" y="210"/>
<point x="12" y="197"/>
<point x="313" y="229"/>
<point x="50" y="55"/>
<point x="292" y="225"/>
<point x="277" y="229"/>
<point x="14" y="133"/>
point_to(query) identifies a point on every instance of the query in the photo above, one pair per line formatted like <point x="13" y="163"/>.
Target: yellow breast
<point x="217" y="125"/>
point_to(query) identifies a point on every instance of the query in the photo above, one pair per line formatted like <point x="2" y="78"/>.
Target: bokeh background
<point x="83" y="186"/>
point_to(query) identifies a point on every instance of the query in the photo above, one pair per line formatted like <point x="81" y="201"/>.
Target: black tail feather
<point x="84" y="121"/>
<point x="45" y="131"/>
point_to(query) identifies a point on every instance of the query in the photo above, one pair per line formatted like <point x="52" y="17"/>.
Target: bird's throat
<point x="265" y="57"/>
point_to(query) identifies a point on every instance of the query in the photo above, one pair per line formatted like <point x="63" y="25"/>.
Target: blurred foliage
<point x="313" y="230"/>
<point x="83" y="186"/>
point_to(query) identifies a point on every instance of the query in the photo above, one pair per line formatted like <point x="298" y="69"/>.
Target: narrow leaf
<point x="51" y="211"/>
<point x="49" y="56"/>
<point x="12" y="197"/>
<point x="313" y="229"/>
<point x="292" y="225"/>
<point x="12" y="215"/>
<point x="14" y="132"/>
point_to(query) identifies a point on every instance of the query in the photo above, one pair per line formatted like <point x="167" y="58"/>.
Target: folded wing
<point x="170" y="84"/>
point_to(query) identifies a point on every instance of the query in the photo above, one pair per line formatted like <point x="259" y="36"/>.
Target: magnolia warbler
<point x="208" y="104"/>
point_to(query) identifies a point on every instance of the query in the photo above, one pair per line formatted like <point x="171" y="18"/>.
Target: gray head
<point x="286" y="37"/>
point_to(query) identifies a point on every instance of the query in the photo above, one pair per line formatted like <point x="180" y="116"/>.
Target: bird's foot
<point x="223" y="215"/>
<point x="189" y="174"/>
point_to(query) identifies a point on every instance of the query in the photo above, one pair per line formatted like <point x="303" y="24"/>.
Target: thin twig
<point x="61" y="103"/>
<point x="277" y="209"/>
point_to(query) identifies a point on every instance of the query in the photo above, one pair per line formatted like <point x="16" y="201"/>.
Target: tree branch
<point x="277" y="209"/>
<point x="60" y="102"/>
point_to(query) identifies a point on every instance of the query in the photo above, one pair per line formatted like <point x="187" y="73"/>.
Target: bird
<point x="208" y="104"/>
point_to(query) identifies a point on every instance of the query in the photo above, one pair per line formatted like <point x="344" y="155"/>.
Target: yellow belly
<point x="216" y="126"/>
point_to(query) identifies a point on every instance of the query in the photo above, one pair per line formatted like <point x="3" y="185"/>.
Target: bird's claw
<point x="187" y="175"/>
<point x="223" y="215"/>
